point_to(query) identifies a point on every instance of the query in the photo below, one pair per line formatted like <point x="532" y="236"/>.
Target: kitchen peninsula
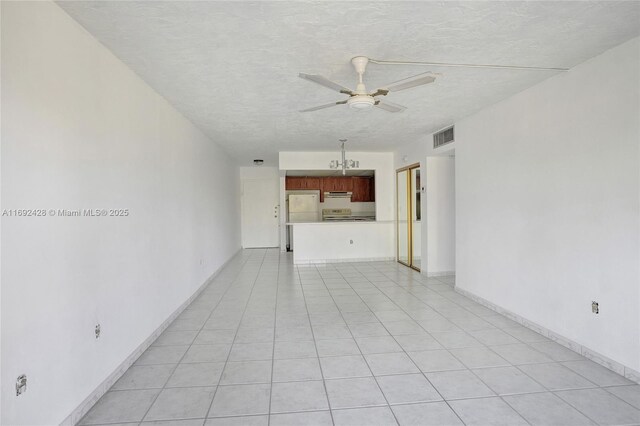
<point x="348" y="241"/>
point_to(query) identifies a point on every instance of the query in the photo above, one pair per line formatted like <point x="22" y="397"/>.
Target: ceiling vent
<point x="443" y="137"/>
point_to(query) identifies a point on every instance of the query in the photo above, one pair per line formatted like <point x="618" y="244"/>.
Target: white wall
<point x="548" y="195"/>
<point x="440" y="215"/>
<point x="415" y="152"/>
<point x="259" y="172"/>
<point x="81" y="130"/>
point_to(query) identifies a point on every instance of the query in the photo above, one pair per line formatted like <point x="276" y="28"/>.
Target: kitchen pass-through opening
<point x="328" y="196"/>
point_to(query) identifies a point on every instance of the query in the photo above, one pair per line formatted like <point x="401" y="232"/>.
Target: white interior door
<point x="260" y="212"/>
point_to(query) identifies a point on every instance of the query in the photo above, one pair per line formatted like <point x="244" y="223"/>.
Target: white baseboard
<point x="82" y="409"/>
<point x="440" y="273"/>
<point x="323" y="261"/>
<point x="594" y="356"/>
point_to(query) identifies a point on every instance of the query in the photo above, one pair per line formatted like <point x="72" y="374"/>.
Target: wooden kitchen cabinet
<point x="329" y="184"/>
<point x="372" y="189"/>
<point x="341" y="184"/>
<point x="302" y="182"/>
<point x="345" y="184"/>
<point x="294" y="182"/>
<point x="313" y="183"/>
<point x="363" y="189"/>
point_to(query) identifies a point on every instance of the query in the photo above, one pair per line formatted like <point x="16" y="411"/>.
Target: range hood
<point x="338" y="194"/>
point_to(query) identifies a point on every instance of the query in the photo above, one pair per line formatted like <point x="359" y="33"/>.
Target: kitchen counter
<point x="353" y="241"/>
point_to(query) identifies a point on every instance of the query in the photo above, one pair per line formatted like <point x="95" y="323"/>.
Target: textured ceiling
<point x="231" y="67"/>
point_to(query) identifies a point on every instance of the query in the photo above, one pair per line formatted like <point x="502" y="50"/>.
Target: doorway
<point x="260" y="213"/>
<point x="408" y="222"/>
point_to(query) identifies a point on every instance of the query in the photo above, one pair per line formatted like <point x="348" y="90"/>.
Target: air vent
<point x="443" y="137"/>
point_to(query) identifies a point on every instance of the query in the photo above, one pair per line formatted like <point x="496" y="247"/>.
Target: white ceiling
<point x="231" y="67"/>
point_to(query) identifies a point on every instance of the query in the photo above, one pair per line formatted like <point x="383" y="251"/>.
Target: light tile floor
<point x="355" y="344"/>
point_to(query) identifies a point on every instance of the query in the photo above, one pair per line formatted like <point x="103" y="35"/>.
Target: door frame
<point x="409" y="204"/>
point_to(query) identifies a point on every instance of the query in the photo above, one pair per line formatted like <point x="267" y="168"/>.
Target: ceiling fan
<point x="360" y="98"/>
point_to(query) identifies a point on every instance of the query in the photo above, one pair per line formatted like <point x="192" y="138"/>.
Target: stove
<point x="334" y="215"/>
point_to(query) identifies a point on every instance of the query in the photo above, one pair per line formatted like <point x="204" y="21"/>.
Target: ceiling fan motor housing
<point x="361" y="101"/>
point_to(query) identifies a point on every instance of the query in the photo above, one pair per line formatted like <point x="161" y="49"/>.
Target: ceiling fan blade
<point x="324" y="106"/>
<point x="318" y="79"/>
<point x="410" y="82"/>
<point x="388" y="106"/>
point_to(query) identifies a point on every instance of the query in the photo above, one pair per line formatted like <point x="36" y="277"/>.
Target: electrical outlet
<point x="97" y="331"/>
<point x="595" y="308"/>
<point x="21" y="384"/>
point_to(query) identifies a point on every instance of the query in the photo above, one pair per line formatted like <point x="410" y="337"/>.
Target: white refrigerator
<point x="301" y="208"/>
<point x="304" y="208"/>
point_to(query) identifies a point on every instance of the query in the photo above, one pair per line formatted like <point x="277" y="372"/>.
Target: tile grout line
<point x="482" y="344"/>
<point x="313" y="335"/>
<point x="547" y="390"/>
<point x="468" y="368"/>
<point x="201" y="328"/>
<point x="236" y="334"/>
<point x="273" y="349"/>
<point x="403" y="351"/>
<point x="517" y="366"/>
<point x="576" y="408"/>
<point x="474" y="374"/>
<point x="356" y="342"/>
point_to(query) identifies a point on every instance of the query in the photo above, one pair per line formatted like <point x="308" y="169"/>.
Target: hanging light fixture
<point x="345" y="164"/>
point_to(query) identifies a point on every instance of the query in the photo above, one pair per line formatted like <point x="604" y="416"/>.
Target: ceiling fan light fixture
<point x="361" y="102"/>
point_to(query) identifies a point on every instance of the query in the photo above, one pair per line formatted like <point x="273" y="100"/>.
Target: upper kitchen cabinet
<point x="313" y="183"/>
<point x="363" y="189"/>
<point x="294" y="182"/>
<point x="302" y="182"/>
<point x="340" y="184"/>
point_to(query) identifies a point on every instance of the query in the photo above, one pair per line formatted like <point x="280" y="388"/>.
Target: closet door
<point x="416" y="225"/>
<point x="408" y="215"/>
<point x="402" y="215"/>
